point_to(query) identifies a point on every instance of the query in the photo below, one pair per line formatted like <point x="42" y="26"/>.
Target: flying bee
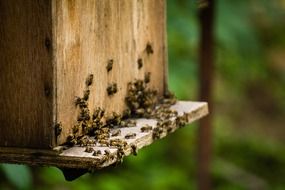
<point x="140" y="63"/>
<point x="110" y="65"/>
<point x="89" y="149"/>
<point x="130" y="136"/>
<point x="89" y="80"/>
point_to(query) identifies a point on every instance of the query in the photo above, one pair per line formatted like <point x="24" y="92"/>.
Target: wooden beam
<point x="206" y="70"/>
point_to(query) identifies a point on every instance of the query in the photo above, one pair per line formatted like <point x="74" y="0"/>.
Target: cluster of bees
<point x="141" y="102"/>
<point x="140" y="99"/>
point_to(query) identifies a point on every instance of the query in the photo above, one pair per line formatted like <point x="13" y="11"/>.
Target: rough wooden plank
<point x="76" y="157"/>
<point x="26" y="72"/>
<point x="89" y="33"/>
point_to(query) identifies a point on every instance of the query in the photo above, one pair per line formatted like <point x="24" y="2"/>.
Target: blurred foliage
<point x="248" y="111"/>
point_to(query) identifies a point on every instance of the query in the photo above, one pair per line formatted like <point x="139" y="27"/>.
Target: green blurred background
<point x="249" y="109"/>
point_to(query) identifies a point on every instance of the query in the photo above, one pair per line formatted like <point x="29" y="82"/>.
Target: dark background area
<point x="248" y="114"/>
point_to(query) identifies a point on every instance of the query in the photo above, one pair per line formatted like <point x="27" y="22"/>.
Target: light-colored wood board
<point x="26" y="73"/>
<point x="89" y="33"/>
<point x="76" y="157"/>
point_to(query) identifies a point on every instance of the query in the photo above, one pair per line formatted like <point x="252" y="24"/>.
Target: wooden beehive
<point x="47" y="50"/>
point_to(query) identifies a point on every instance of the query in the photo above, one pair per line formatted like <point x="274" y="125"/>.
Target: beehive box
<point x="49" y="49"/>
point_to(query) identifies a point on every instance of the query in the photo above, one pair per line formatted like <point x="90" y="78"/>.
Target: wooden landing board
<point x="76" y="157"/>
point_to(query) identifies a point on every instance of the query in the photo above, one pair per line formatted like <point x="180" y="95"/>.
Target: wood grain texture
<point x="76" y="157"/>
<point x="49" y="47"/>
<point x="89" y="33"/>
<point x="26" y="73"/>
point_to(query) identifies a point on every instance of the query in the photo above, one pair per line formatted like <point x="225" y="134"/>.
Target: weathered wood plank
<point x="76" y="157"/>
<point x="26" y="73"/>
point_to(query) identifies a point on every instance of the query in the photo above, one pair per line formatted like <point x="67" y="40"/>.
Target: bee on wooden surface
<point x="86" y="95"/>
<point x="157" y="132"/>
<point x="169" y="129"/>
<point x="126" y="113"/>
<point x="89" y="80"/>
<point x="134" y="149"/>
<point x="75" y="128"/>
<point x="140" y="63"/>
<point x="149" y="49"/>
<point x="120" y="155"/>
<point x="89" y="149"/>
<point x="77" y="100"/>
<point x="181" y="121"/>
<point x="58" y="129"/>
<point x="114" y="120"/>
<point x="140" y="111"/>
<point x="118" y="143"/>
<point x="147" y="77"/>
<point x="105" y="130"/>
<point x="71" y="140"/>
<point x="103" y="136"/>
<point x="98" y="113"/>
<point x="97" y="152"/>
<point x="112" y="89"/>
<point x="115" y="132"/>
<point x="130" y="135"/>
<point x="80" y="102"/>
<point x="123" y="124"/>
<point x="146" y="128"/>
<point x="107" y="152"/>
<point x="109" y="65"/>
<point x="104" y="142"/>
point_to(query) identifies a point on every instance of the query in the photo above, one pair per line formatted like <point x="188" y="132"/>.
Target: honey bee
<point x="156" y="133"/>
<point x="75" y="128"/>
<point x="140" y="63"/>
<point x="146" y="128"/>
<point x="77" y="101"/>
<point x="109" y="65"/>
<point x="116" y="132"/>
<point x="130" y="136"/>
<point x="58" y="129"/>
<point x="147" y="77"/>
<point x="89" y="80"/>
<point x="149" y="49"/>
<point x="120" y="155"/>
<point x="112" y="89"/>
<point x="70" y="140"/>
<point x="97" y="153"/>
<point x="107" y="152"/>
<point x="104" y="142"/>
<point x="140" y="111"/>
<point x="86" y="95"/>
<point x="126" y="113"/>
<point x="134" y="149"/>
<point x="89" y="149"/>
